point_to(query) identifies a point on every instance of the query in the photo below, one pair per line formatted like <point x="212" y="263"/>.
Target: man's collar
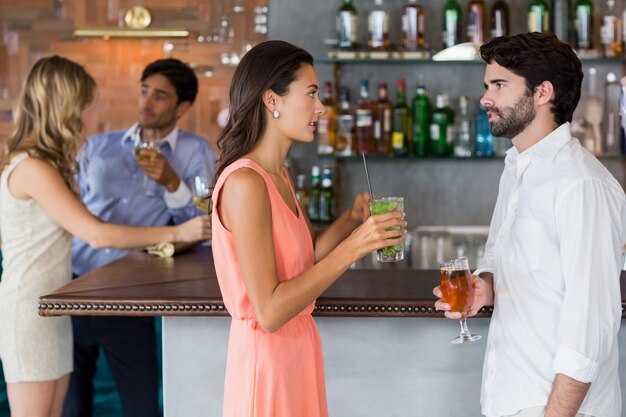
<point x="132" y="134"/>
<point x="545" y="150"/>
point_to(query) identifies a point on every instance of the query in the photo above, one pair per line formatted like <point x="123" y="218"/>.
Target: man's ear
<point x="182" y="108"/>
<point x="544" y="93"/>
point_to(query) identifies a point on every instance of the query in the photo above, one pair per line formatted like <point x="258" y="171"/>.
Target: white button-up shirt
<point x="555" y="248"/>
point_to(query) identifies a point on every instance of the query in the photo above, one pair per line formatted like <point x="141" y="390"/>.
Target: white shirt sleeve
<point x="589" y="229"/>
<point x="179" y="198"/>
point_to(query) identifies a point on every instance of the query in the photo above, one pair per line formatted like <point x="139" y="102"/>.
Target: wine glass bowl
<point x="458" y="291"/>
<point x="147" y="149"/>
<point x="202" y="193"/>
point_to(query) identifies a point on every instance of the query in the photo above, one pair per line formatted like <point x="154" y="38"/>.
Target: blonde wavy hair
<point x="48" y="122"/>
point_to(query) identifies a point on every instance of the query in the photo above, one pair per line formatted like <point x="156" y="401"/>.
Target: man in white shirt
<point x="553" y="257"/>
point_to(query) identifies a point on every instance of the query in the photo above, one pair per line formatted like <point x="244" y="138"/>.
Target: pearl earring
<point x="276" y="114"/>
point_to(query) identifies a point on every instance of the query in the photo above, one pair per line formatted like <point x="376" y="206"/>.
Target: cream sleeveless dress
<point x="36" y="261"/>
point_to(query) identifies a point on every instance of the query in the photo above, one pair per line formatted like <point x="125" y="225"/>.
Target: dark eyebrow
<point x="496" y="81"/>
<point x="157" y="90"/>
<point x="317" y="87"/>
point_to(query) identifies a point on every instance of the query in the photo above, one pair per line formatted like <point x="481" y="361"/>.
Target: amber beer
<point x="457" y="289"/>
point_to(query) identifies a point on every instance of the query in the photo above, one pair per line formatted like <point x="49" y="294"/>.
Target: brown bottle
<point x="499" y="19"/>
<point x="413" y="26"/>
<point x="382" y="121"/>
<point x="476" y="21"/>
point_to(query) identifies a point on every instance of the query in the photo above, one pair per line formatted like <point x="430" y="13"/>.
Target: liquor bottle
<point x="484" y="137"/>
<point x="499" y="19"/>
<point x="382" y="121"/>
<point x="302" y="194"/>
<point x="476" y="21"/>
<point x="538" y="16"/>
<point x="401" y="126"/>
<point x="451" y="24"/>
<point x="611" y="123"/>
<point x="378" y="28"/>
<point x="345" y="125"/>
<point x="441" y="127"/>
<point x="413" y="26"/>
<point x="327" y="197"/>
<point x="314" y="195"/>
<point x="562" y="17"/>
<point x="611" y="31"/>
<point x="364" y="120"/>
<point x="463" y="131"/>
<point x="347" y="26"/>
<point x="326" y="125"/>
<point x="421" y="121"/>
<point x="583" y="24"/>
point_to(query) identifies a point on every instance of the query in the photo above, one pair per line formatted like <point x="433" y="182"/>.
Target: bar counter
<point x="387" y="352"/>
<point x="186" y="285"/>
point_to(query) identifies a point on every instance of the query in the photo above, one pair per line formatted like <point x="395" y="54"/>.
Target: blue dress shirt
<point x="111" y="185"/>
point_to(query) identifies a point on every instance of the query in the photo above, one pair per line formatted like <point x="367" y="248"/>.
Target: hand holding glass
<point x="458" y="292"/>
<point x="392" y="253"/>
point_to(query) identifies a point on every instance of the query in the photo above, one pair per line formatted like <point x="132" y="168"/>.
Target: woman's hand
<point x="377" y="231"/>
<point x="360" y="210"/>
<point x="198" y="228"/>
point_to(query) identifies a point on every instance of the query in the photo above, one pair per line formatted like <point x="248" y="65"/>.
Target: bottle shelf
<point x="363" y="59"/>
<point x="380" y="158"/>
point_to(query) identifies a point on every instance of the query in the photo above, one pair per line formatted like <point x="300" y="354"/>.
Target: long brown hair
<point x="270" y="65"/>
<point x="49" y="108"/>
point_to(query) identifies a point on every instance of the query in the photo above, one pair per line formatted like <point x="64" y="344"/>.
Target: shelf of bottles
<point x="436" y="127"/>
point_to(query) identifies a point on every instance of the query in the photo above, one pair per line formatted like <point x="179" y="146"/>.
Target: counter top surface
<point x="186" y="285"/>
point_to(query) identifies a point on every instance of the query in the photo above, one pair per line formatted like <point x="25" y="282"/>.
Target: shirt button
<point x="107" y="251"/>
<point x="124" y="200"/>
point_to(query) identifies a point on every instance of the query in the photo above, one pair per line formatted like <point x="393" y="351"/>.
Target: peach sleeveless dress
<point x="278" y="374"/>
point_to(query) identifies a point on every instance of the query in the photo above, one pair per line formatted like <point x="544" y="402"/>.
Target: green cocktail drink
<point x="392" y="253"/>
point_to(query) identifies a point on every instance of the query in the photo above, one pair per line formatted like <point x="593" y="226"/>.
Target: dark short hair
<point x="179" y="74"/>
<point x="539" y="57"/>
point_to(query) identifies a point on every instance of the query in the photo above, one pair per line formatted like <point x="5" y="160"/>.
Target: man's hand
<point x="159" y="170"/>
<point x="483" y="295"/>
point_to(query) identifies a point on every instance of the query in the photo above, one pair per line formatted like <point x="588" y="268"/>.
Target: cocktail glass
<point x="391" y="253"/>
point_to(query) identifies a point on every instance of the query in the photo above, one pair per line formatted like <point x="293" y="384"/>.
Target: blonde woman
<point x="39" y="213"/>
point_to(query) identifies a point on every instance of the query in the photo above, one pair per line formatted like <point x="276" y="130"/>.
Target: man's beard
<point x="513" y="120"/>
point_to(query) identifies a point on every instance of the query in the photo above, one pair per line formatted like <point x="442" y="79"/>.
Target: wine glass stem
<point x="464" y="330"/>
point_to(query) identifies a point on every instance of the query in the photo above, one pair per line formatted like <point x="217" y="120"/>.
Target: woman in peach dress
<point x="271" y="265"/>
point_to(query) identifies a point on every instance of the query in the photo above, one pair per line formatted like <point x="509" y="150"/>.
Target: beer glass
<point x="391" y="253"/>
<point x="458" y="291"/>
<point x="147" y="149"/>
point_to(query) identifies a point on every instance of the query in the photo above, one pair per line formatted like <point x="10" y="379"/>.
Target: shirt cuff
<point x="179" y="198"/>
<point x="481" y="270"/>
<point x="575" y="365"/>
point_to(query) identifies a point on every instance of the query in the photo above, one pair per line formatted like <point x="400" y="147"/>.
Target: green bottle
<point x="538" y="16"/>
<point x="347" y="26"/>
<point x="451" y="24"/>
<point x="327" y="197"/>
<point x="441" y="127"/>
<point x="421" y="121"/>
<point x="314" y="195"/>
<point x="400" y="127"/>
<point x="583" y="25"/>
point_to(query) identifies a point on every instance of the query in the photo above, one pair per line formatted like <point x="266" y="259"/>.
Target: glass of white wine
<point x="147" y="149"/>
<point x="202" y="193"/>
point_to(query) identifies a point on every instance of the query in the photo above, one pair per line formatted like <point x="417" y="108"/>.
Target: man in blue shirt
<point x="118" y="187"/>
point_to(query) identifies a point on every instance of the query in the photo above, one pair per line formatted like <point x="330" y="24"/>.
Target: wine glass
<point x="202" y="196"/>
<point x="147" y="149"/>
<point x="202" y="193"/>
<point x="458" y="292"/>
